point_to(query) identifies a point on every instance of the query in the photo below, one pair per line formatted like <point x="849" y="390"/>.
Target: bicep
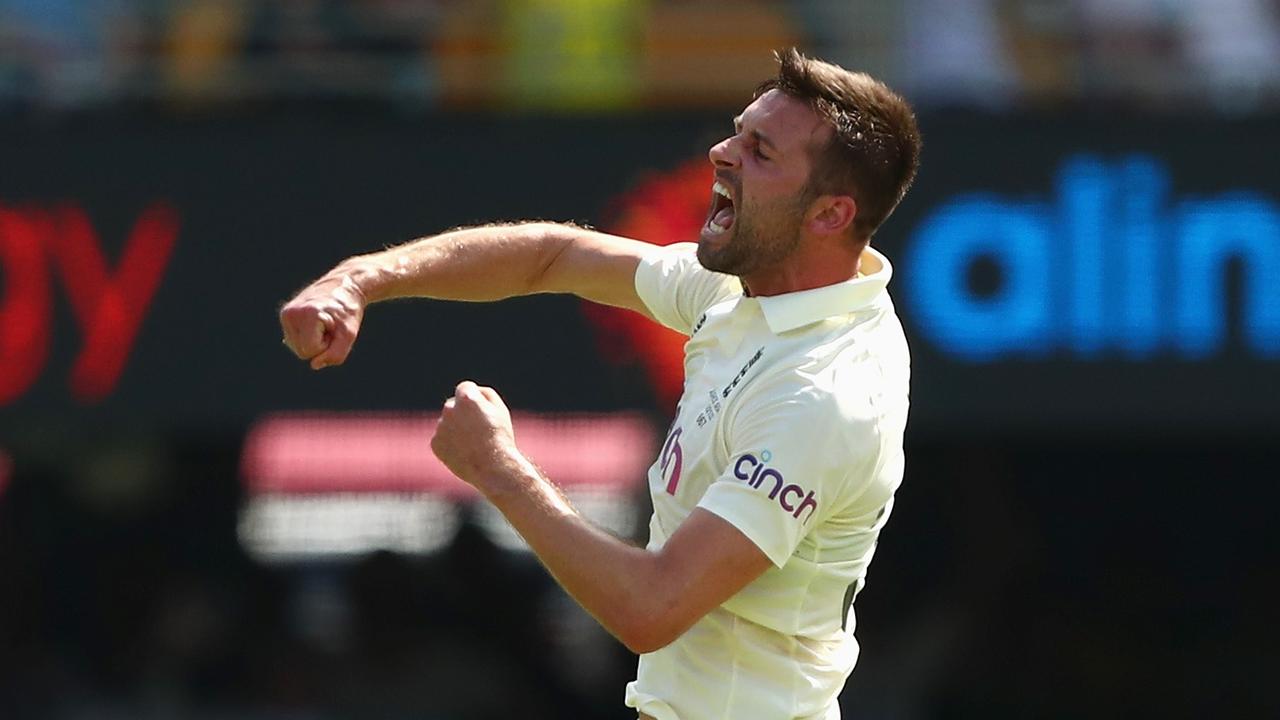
<point x="595" y="266"/>
<point x="703" y="564"/>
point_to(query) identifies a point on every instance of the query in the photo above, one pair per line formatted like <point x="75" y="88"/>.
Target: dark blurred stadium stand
<point x="1078" y="564"/>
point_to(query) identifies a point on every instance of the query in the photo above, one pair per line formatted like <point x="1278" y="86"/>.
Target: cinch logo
<point x="756" y="473"/>
<point x="1110" y="263"/>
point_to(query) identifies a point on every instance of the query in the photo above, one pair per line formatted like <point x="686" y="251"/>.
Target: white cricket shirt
<point x="790" y="428"/>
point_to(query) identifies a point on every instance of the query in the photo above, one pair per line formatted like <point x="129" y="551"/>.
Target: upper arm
<point x="595" y="266"/>
<point x="703" y="564"/>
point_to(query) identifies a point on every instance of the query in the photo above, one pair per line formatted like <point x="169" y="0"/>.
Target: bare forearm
<point x="646" y="599"/>
<point x="479" y="264"/>
<point x="621" y="585"/>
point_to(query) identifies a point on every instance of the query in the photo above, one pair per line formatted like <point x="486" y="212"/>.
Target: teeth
<point x="719" y="189"/>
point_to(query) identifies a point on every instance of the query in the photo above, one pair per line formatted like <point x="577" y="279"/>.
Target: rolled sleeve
<point x="762" y="520"/>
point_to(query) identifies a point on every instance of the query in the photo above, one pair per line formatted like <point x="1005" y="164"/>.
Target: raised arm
<point x="645" y="598"/>
<point x="486" y="263"/>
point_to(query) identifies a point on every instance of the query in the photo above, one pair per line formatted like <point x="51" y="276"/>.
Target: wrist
<point x="365" y="278"/>
<point x="511" y="474"/>
<point x="507" y="471"/>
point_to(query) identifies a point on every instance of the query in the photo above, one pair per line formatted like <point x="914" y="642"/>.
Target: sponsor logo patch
<point x="742" y="373"/>
<point x="756" y="473"/>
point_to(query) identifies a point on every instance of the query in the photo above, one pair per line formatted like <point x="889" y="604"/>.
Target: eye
<point x="757" y="153"/>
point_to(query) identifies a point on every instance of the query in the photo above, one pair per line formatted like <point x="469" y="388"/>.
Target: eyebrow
<point x="756" y="135"/>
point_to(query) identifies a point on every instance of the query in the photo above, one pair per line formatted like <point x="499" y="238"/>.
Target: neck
<point x="812" y="265"/>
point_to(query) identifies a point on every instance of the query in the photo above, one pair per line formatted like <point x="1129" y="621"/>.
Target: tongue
<point x="724" y="218"/>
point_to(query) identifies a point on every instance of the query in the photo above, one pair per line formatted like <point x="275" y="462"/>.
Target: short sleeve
<point x="792" y="461"/>
<point x="677" y="289"/>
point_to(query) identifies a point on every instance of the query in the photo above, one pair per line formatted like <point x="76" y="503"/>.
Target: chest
<point x="722" y="362"/>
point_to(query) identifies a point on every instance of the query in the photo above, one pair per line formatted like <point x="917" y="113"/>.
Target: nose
<point x="723" y="154"/>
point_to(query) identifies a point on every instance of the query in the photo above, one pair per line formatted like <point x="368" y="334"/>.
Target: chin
<point x="711" y="253"/>
<point x="706" y="239"/>
<point x="707" y="246"/>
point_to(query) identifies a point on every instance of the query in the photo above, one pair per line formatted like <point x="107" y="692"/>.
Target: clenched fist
<point x="321" y="323"/>
<point x="474" y="435"/>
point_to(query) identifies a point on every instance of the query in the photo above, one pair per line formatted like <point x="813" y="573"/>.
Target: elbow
<point x="552" y="240"/>
<point x="644" y="642"/>
<point x="650" y="632"/>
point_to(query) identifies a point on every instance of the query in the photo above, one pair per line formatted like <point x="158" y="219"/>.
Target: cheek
<point x="771" y="190"/>
<point x="770" y="204"/>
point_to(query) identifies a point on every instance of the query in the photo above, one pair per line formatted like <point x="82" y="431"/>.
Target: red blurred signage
<point x="39" y="246"/>
<point x="315" y="453"/>
<point x="665" y="208"/>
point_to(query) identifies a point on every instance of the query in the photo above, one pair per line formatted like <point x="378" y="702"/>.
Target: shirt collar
<point x="789" y="311"/>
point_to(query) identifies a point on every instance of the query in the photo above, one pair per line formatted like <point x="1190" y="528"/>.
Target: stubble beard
<point x="753" y="246"/>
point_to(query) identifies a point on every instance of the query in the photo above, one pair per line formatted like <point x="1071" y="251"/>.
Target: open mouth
<point x="721" y="216"/>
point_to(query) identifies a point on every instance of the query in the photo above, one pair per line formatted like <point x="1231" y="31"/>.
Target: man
<point x="780" y="467"/>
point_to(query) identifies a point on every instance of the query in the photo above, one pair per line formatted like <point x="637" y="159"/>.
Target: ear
<point x="832" y="214"/>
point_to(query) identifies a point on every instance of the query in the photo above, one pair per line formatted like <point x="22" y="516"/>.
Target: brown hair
<point x="874" y="151"/>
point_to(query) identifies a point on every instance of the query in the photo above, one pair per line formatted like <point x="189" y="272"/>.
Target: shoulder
<point x="832" y="411"/>
<point x="675" y="287"/>
<point x="679" y="261"/>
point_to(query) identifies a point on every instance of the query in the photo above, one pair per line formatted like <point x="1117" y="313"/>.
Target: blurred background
<point x="194" y="525"/>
